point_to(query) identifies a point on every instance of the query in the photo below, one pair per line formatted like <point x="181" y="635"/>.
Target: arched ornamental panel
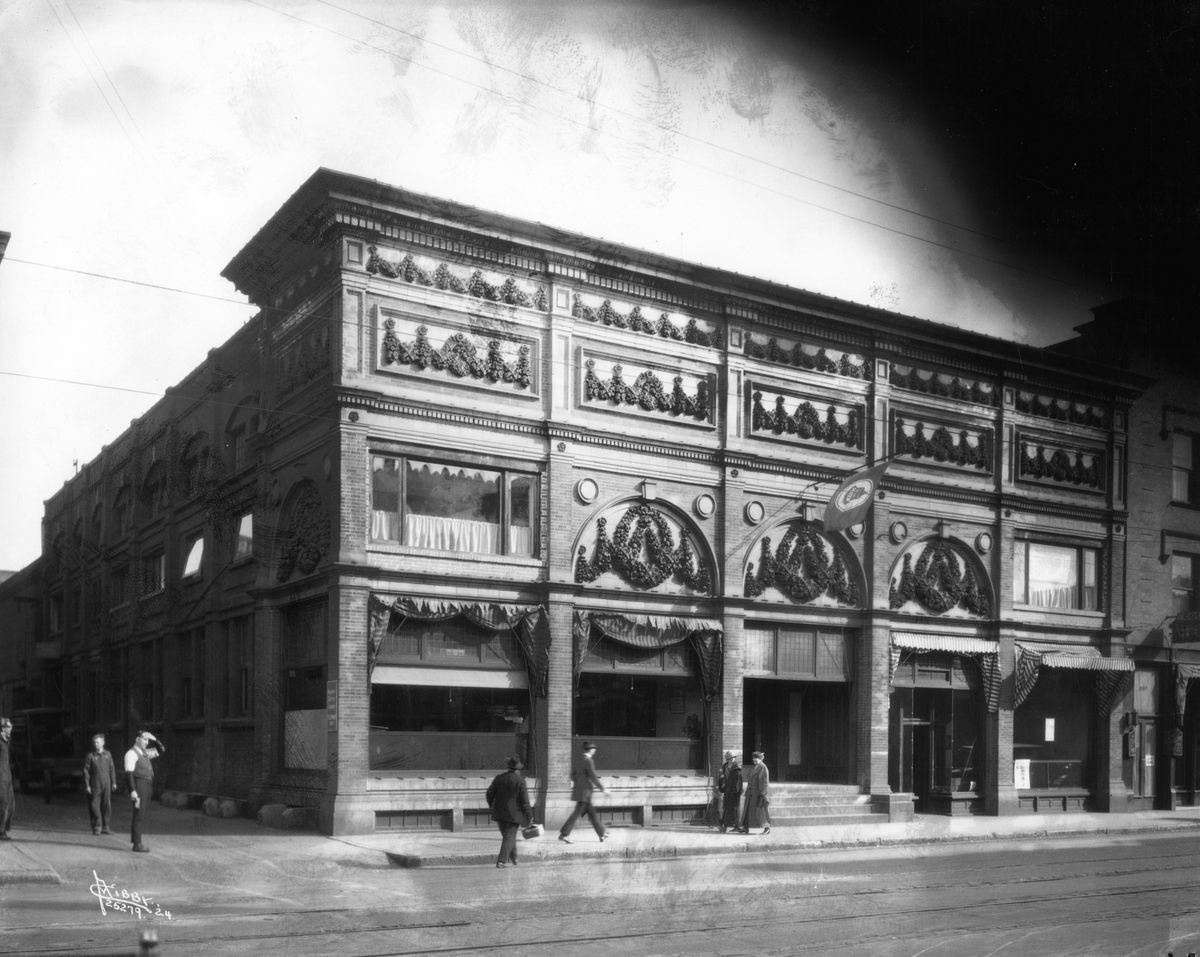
<point x="652" y="548"/>
<point x="807" y="567"/>
<point x="940" y="576"/>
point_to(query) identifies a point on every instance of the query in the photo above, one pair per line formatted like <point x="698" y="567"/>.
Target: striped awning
<point x="983" y="651"/>
<point x="1113" y="674"/>
<point x="957" y="644"/>
<point x="1081" y="657"/>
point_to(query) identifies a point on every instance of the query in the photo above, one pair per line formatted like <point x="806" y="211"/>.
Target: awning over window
<point x="1184" y="675"/>
<point x="389" y="613"/>
<point x="956" y="644"/>
<point x="650" y="632"/>
<point x="983" y="651"/>
<point x="1111" y="678"/>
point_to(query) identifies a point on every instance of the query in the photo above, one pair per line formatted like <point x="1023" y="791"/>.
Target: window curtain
<point x="527" y="623"/>
<point x="1184" y="676"/>
<point x="651" y="633"/>
<point x="1112" y="674"/>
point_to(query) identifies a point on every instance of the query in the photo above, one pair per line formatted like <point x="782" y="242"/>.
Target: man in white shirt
<point x="140" y="777"/>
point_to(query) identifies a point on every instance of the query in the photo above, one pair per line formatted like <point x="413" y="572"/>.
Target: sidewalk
<point x="30" y="858"/>
<point x="633" y="843"/>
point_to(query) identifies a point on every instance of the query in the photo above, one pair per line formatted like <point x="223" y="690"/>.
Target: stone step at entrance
<point x="815" y="804"/>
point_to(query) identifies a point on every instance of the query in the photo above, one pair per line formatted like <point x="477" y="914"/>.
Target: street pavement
<point x="51" y="839"/>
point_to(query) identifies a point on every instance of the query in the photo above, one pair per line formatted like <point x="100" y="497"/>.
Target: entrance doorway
<point x="801" y="727"/>
<point x="936" y="747"/>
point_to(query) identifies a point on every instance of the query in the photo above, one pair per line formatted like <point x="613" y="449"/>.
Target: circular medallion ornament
<point x="587" y="490"/>
<point x="898" y="532"/>
<point x="755" y="512"/>
<point x="983" y="543"/>
<point x="856" y="530"/>
<point x="705" y="505"/>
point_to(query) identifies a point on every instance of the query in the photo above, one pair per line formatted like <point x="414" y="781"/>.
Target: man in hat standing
<point x="7" y="798"/>
<point x="584" y="784"/>
<point x="140" y="775"/>
<point x="729" y="783"/>
<point x="99" y="780"/>
<point x="508" y="797"/>
<point x="758" y="785"/>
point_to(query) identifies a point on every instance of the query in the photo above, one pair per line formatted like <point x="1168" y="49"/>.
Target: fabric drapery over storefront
<point x="1112" y="674"/>
<point x="525" y="621"/>
<point x="982" y="651"/>
<point x="1184" y="676"/>
<point x="655" y="632"/>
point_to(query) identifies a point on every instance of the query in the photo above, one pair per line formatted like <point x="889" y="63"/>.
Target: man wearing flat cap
<point x="140" y="777"/>
<point x="508" y="797"/>
<point x="729" y="784"/>
<point x="584" y="784"/>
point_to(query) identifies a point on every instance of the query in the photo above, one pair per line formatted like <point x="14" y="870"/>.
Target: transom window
<point x="1183" y="468"/>
<point x="1056" y="576"/>
<point x="455" y="508"/>
<point x="154" y="573"/>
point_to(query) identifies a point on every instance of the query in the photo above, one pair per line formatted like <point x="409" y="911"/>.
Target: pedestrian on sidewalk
<point x="508" y="797"/>
<point x="7" y="798"/>
<point x="583" y="784"/>
<point x="758" y="786"/>
<point x="140" y="775"/>
<point x="729" y="786"/>
<point x="99" y="781"/>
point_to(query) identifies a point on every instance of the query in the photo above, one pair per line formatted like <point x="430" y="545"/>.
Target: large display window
<point x="1053" y="730"/>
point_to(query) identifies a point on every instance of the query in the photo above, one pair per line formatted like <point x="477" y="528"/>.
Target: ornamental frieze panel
<point x="643" y="390"/>
<point x="805" y="568"/>
<point x="799" y="418"/>
<point x="302" y="359"/>
<point x="305" y="537"/>
<point x="939" y="577"/>
<point x="1048" y="462"/>
<point x="1061" y="410"/>
<point x="803" y="355"/>
<point x="665" y="325"/>
<point x="943" y="444"/>
<point x="650" y="549"/>
<point x="447" y="352"/>
<point x="943" y="385"/>
<point x="477" y="283"/>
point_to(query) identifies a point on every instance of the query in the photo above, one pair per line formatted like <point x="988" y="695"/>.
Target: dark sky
<point x="1078" y="124"/>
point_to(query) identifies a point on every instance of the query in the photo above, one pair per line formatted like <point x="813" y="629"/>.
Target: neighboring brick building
<point x="469" y="485"/>
<point x="1160" y="717"/>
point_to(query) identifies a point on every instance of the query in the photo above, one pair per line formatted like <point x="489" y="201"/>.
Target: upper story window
<point x="119" y="585"/>
<point x="455" y="508"/>
<point x="243" y="545"/>
<point x="241" y="425"/>
<point x="154" y="573"/>
<point x="56" y="613"/>
<point x="1184" y="468"/>
<point x="194" y="557"/>
<point x="122" y="513"/>
<point x="1185" y="583"/>
<point x="1056" y="576"/>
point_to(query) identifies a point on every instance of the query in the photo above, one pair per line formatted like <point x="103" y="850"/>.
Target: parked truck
<point x="43" y="751"/>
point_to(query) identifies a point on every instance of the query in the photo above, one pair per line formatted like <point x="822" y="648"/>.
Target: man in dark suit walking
<point x="584" y="783"/>
<point x="508" y="797"/>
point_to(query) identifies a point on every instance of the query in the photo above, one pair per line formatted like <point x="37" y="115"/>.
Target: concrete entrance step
<point x="870" y="816"/>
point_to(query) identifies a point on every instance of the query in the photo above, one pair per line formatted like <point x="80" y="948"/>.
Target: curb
<point x="635" y="854"/>
<point x="30" y="869"/>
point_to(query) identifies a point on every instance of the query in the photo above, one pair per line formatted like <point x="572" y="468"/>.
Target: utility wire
<point x="96" y="56"/>
<point x="637" y="144"/>
<point x="660" y="127"/>
<point x="877" y="421"/>
<point x="87" y="66"/>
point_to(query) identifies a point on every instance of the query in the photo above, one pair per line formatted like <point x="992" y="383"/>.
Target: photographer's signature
<point x="121" y="901"/>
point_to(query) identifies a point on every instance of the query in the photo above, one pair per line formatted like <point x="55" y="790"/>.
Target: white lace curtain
<point x="450" y="534"/>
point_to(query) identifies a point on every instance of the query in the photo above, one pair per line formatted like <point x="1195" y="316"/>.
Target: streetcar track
<point x="909" y="913"/>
